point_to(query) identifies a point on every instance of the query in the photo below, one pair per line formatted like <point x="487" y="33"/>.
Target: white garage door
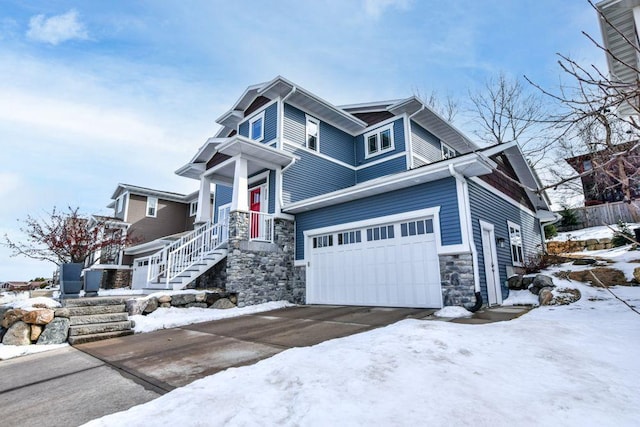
<point x="392" y="265"/>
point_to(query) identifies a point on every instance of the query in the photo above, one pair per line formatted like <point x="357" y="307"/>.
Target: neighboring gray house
<point x="153" y="218"/>
<point x="376" y="204"/>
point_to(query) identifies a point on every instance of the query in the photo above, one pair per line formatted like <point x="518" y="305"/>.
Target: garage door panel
<point x="393" y="270"/>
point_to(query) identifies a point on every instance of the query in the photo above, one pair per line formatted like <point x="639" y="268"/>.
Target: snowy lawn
<point x="572" y="365"/>
<point x="600" y="232"/>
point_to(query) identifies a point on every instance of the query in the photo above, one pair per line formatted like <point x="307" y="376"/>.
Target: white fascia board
<point x="147" y="246"/>
<point x="367" y="107"/>
<point x="475" y="163"/>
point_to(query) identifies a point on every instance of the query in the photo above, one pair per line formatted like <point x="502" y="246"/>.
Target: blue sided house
<point x="375" y="204"/>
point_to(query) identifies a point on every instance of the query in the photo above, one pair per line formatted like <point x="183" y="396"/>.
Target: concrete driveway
<point x="170" y="358"/>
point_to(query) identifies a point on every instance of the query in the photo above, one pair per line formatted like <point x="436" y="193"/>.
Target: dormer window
<point x="193" y="208"/>
<point x="447" y="152"/>
<point x="313" y="133"/>
<point x="256" y="127"/>
<point x="152" y="206"/>
<point x="379" y="141"/>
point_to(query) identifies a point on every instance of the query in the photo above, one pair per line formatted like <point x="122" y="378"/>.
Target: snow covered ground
<point x="572" y="365"/>
<point x="600" y="232"/>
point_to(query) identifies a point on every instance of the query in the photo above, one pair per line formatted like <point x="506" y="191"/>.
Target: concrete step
<point x="97" y="309"/>
<point x="85" y="302"/>
<point x="98" y="337"/>
<point x="98" y="328"/>
<point x="90" y="319"/>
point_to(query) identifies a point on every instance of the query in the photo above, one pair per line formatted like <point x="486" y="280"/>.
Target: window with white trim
<point x="256" y="127"/>
<point x="414" y="228"/>
<point x="515" y="241"/>
<point x="380" y="233"/>
<point x="152" y="206"/>
<point x="349" y="237"/>
<point x="323" y="241"/>
<point x="119" y="204"/>
<point x="313" y="133"/>
<point x="379" y="141"/>
<point x="447" y="152"/>
<point x="193" y="208"/>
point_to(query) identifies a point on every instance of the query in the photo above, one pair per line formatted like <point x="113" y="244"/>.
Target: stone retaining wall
<point x="554" y="247"/>
<point x="39" y="326"/>
<point x="147" y="305"/>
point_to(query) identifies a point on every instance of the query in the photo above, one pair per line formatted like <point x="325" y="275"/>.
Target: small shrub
<point x="569" y="217"/>
<point x="550" y="231"/>
<point x="623" y="235"/>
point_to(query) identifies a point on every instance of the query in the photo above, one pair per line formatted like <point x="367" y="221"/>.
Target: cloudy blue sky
<point x="94" y="93"/>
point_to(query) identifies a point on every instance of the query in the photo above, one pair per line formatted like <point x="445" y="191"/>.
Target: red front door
<point x="254" y="206"/>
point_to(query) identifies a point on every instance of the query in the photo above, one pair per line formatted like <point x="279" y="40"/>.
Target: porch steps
<point x="194" y="271"/>
<point x="99" y="318"/>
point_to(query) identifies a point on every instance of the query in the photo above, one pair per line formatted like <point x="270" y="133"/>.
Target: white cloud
<point x="9" y="182"/>
<point x="375" y="8"/>
<point x="57" y="29"/>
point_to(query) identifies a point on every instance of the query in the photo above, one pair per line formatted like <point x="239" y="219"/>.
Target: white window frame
<point x="252" y="120"/>
<point x="378" y="134"/>
<point x="447" y="152"/>
<point x="119" y="204"/>
<point x="310" y="119"/>
<point x="515" y="242"/>
<point x="193" y="208"/>
<point x="152" y="203"/>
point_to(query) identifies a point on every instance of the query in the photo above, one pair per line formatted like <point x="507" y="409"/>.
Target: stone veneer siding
<point x="113" y="279"/>
<point x="258" y="271"/>
<point x="456" y="276"/>
<point x="299" y="288"/>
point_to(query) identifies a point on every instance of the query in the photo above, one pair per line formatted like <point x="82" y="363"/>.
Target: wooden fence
<point x="608" y="213"/>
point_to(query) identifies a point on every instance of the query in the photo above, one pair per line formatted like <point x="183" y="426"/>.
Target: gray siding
<point x="490" y="208"/>
<point x="425" y="143"/>
<point x="439" y="193"/>
<point x="312" y="175"/>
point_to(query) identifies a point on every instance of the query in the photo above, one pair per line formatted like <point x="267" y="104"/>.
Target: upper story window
<point x="313" y="133"/>
<point x="515" y="241"/>
<point x="119" y="204"/>
<point x="447" y="152"/>
<point x="586" y="165"/>
<point x="256" y="127"/>
<point x="152" y="206"/>
<point x="379" y="141"/>
<point x="193" y="208"/>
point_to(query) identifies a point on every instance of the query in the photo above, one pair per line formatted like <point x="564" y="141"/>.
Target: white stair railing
<point x="191" y="248"/>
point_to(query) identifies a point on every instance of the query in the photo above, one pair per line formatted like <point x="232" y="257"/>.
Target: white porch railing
<point x="191" y="248"/>
<point x="261" y="226"/>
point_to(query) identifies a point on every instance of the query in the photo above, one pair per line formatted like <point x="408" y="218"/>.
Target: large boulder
<point x="41" y="316"/>
<point x="539" y="282"/>
<point x="164" y="299"/>
<point x="152" y="305"/>
<point x="182" y="299"/>
<point x="55" y="332"/>
<point x="136" y="306"/>
<point x="12" y="316"/>
<point x="62" y="312"/>
<point x="36" y="330"/>
<point x="545" y="296"/>
<point x="2" y="332"/>
<point x="636" y="274"/>
<point x="223" y="303"/>
<point x="18" y="334"/>
<point x="515" y="282"/>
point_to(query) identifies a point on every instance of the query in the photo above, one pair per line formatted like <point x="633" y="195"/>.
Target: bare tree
<point x="448" y="107"/>
<point x="597" y="121"/>
<point x="63" y="237"/>
<point x="507" y="111"/>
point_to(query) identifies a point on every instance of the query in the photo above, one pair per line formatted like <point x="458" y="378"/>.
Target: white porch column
<point x="204" y="201"/>
<point x="240" y="200"/>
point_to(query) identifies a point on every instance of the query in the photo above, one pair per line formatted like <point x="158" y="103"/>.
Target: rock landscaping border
<point x="207" y="299"/>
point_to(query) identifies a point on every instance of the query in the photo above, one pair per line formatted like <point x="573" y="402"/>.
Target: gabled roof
<point x="144" y="191"/>
<point x="296" y="95"/>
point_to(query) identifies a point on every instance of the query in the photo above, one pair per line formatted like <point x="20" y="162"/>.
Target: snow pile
<point x="453" y="312"/>
<point x="11" y="351"/>
<point x="562" y="365"/>
<point x="524" y="297"/>
<point x="600" y="232"/>
<point x="172" y="317"/>
<point x="10" y="297"/>
<point x="28" y="304"/>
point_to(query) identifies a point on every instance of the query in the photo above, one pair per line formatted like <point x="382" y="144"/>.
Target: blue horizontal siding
<point x="398" y="144"/>
<point x="224" y="195"/>
<point x="332" y="142"/>
<point x="270" y="130"/>
<point x="312" y="175"/>
<point x="490" y="208"/>
<point x="243" y="129"/>
<point x="382" y="169"/>
<point x="439" y="193"/>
